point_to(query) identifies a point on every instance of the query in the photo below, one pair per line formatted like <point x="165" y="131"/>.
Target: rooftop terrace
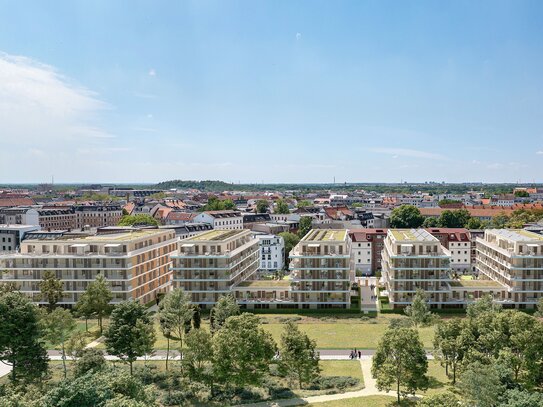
<point x="214" y="236"/>
<point x="412" y="235"/>
<point x="326" y="235"/>
<point x="518" y="235"/>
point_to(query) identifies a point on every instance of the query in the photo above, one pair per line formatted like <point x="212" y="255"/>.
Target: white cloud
<point x="540" y="152"/>
<point x="298" y="36"/>
<point x="39" y="105"/>
<point x="152" y="72"/>
<point x="405" y="152"/>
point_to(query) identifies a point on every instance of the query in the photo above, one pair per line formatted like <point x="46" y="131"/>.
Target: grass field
<point x="369" y="401"/>
<point x="330" y="332"/>
<point x="342" y="368"/>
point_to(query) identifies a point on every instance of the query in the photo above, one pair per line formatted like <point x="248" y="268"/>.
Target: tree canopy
<point x="406" y="217"/>
<point x="140" y="219"/>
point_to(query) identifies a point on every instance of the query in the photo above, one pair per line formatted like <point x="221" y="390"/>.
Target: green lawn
<point x="368" y="401"/>
<point x="342" y="368"/>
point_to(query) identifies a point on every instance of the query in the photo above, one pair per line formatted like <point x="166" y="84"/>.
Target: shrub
<point x="334" y="382"/>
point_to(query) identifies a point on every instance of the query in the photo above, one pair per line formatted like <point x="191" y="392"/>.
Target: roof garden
<point x="476" y="284"/>
<point x="412" y="235"/>
<point x="326" y="235"/>
<point x="265" y="284"/>
<point x="214" y="236"/>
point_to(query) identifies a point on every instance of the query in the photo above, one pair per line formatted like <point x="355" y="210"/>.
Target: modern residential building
<point x="214" y="263"/>
<point x="272" y="252"/>
<point x="414" y="259"/>
<point x="225" y="220"/>
<point x="322" y="270"/>
<point x="514" y="259"/>
<point x="136" y="263"/>
<point x="12" y="235"/>
<point x="458" y="241"/>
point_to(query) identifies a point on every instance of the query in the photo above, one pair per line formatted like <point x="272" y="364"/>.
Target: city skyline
<point x="271" y="92"/>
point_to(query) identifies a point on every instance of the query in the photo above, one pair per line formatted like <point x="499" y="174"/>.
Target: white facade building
<point x="223" y="220"/>
<point x="272" y="252"/>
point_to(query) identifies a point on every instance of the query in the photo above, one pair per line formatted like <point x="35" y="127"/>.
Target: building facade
<point x="224" y="220"/>
<point x="212" y="264"/>
<point x="135" y="263"/>
<point x="97" y="215"/>
<point x="11" y="236"/>
<point x="272" y="252"/>
<point x="322" y="269"/>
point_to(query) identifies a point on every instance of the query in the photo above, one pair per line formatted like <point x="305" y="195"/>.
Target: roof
<point x="256" y="217"/>
<point x="265" y="284"/>
<point x="8" y="202"/>
<point x="223" y="214"/>
<point x="475" y="212"/>
<point x="215" y="235"/>
<point x="518" y="235"/>
<point x="181" y="216"/>
<point x="476" y="284"/>
<point x="412" y="235"/>
<point x="322" y="235"/>
<point x="364" y="235"/>
<point x="337" y="212"/>
<point x="453" y="234"/>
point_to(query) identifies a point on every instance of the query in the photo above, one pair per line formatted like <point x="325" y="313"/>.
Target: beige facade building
<point x="136" y="264"/>
<point x="322" y="269"/>
<point x="513" y="259"/>
<point x="214" y="263"/>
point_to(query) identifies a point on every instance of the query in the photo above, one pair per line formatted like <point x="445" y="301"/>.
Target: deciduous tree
<point x="299" y="356"/>
<point x="51" y="289"/>
<point x="140" y="219"/>
<point x="242" y="351"/>
<point x="281" y="207"/>
<point x="198" y="355"/>
<point x="59" y="326"/>
<point x="400" y="361"/>
<point x="406" y="216"/>
<point x="224" y="308"/>
<point x="130" y="333"/>
<point x="99" y="296"/>
<point x="262" y="206"/>
<point x="419" y="310"/>
<point x="20" y="338"/>
<point x="305" y="226"/>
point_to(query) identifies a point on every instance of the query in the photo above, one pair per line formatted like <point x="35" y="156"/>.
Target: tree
<point x="59" y="326"/>
<point x="290" y="240"/>
<point x="454" y="219"/>
<point x="75" y="345"/>
<point x="474" y="223"/>
<point x="419" y="310"/>
<point x="198" y="354"/>
<point x="483" y="304"/>
<point x="430" y="223"/>
<point x="305" y="203"/>
<point x="305" y="226"/>
<point x="130" y="333"/>
<point x="281" y="207"/>
<point x="20" y="338"/>
<point x="214" y="204"/>
<point x="406" y="216"/>
<point x="197" y="317"/>
<point x="90" y="359"/>
<point x="225" y="307"/>
<point x="140" y="219"/>
<point x="299" y="356"/>
<point x="480" y="385"/>
<point x="8" y="287"/>
<point x="522" y="398"/>
<point x="522" y="194"/>
<point x="539" y="312"/>
<point x="400" y="361"/>
<point x="99" y="295"/>
<point x="51" y="289"/>
<point x="262" y="206"/>
<point x="83" y="308"/>
<point x="242" y="351"/>
<point x="175" y="310"/>
<point x="450" y="344"/>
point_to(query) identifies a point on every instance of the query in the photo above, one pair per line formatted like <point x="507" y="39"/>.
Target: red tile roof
<point x="9" y="202"/>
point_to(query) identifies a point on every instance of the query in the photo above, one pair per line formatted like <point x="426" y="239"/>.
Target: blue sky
<point x="272" y="91"/>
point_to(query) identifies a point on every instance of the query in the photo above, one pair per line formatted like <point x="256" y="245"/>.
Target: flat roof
<point x="326" y="235"/>
<point x="215" y="235"/>
<point x="412" y="235"/>
<point x="476" y="284"/>
<point x="518" y="235"/>
<point x="265" y="284"/>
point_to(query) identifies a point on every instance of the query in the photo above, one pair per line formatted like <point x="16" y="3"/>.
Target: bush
<point x="334" y="382"/>
<point x="89" y="360"/>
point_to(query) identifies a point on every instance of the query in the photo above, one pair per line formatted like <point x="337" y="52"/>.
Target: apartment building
<point x="136" y="263"/>
<point x="414" y="259"/>
<point x="322" y="269"/>
<point x="57" y="218"/>
<point x="21" y="215"/>
<point x="458" y="242"/>
<point x="214" y="263"/>
<point x="12" y="235"/>
<point x="514" y="259"/>
<point x="224" y="220"/>
<point x="272" y="252"/>
<point x="97" y="215"/>
<point x="364" y="241"/>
